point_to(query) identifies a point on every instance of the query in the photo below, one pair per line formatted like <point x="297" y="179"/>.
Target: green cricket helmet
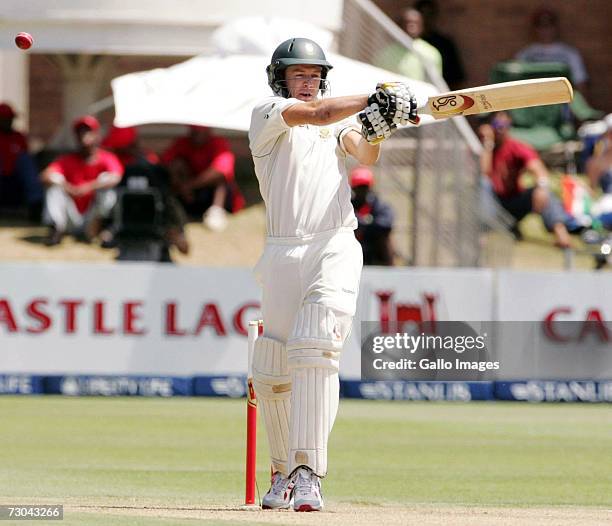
<point x="291" y="52"/>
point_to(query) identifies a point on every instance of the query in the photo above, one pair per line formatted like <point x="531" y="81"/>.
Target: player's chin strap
<point x="392" y="104"/>
<point x="313" y="354"/>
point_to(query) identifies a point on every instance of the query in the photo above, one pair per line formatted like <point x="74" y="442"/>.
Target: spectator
<point x="549" y="48"/>
<point x="202" y="175"/>
<point x="19" y="182"/>
<point x="504" y="160"/>
<point x="599" y="166"/>
<point x="80" y="186"/>
<point x="452" y="66"/>
<point x="138" y="161"/>
<point x="125" y="144"/>
<point x="398" y="59"/>
<point x="375" y="219"/>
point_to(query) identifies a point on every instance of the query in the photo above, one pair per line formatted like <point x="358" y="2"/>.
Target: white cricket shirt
<point x="301" y="172"/>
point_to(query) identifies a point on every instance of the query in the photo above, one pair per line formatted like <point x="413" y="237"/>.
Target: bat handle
<point x="424" y="110"/>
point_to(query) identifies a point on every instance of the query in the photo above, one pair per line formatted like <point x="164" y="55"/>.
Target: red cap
<point x="361" y="176"/>
<point x="6" y="111"/>
<point x="87" y="121"/>
<point x="120" y="137"/>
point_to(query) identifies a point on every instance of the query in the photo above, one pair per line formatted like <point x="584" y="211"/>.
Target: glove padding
<point x="396" y="102"/>
<point x="374" y="127"/>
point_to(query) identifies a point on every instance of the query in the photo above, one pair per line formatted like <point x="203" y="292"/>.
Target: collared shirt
<point x="301" y="172"/>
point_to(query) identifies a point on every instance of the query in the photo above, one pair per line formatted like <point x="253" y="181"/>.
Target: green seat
<point x="582" y="110"/>
<point x="540" y="126"/>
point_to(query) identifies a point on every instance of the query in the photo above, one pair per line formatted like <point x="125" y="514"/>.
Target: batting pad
<point x="317" y="338"/>
<point x="314" y="400"/>
<point x="272" y="384"/>
<point x="313" y="353"/>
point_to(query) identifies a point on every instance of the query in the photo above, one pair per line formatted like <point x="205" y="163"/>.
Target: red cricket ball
<point x="24" y="40"/>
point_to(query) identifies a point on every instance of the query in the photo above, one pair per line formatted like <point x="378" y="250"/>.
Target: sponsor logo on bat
<point x="452" y="104"/>
<point x="486" y="105"/>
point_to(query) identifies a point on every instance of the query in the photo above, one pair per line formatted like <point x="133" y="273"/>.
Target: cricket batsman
<point x="311" y="264"/>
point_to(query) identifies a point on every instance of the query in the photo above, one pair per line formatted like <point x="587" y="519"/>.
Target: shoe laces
<point x="280" y="484"/>
<point x="306" y="482"/>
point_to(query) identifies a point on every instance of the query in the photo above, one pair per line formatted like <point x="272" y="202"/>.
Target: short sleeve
<point x="579" y="73"/>
<point x="224" y="162"/>
<point x="524" y="152"/>
<point x="267" y="124"/>
<point x="112" y="164"/>
<point x="59" y="165"/>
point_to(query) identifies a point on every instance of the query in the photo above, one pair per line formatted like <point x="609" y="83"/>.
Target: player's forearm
<point x="324" y="112"/>
<point x="360" y="149"/>
<point x="336" y="109"/>
<point x="367" y="153"/>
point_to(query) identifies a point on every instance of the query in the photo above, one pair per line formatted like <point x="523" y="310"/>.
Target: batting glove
<point x="374" y="127"/>
<point x="397" y="103"/>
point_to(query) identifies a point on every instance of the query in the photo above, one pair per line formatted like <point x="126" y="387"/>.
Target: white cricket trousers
<point x="61" y="211"/>
<point x="310" y="289"/>
<point x="325" y="269"/>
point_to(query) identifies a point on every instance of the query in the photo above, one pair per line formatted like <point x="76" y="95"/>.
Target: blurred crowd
<point x="112" y="190"/>
<point x="522" y="147"/>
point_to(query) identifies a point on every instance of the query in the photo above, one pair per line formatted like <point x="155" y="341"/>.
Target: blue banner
<point x="156" y="386"/>
<point x="230" y="386"/>
<point x="26" y="384"/>
<point x="555" y="391"/>
<point x="404" y="390"/>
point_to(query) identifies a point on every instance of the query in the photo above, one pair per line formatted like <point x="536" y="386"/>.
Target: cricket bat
<point x="497" y="97"/>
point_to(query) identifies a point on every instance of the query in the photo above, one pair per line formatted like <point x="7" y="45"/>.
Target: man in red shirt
<point x="202" y="175"/>
<point x="19" y="180"/>
<point x="80" y="185"/>
<point x="504" y="160"/>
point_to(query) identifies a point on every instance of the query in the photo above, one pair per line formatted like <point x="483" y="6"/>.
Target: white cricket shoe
<point x="307" y="491"/>
<point x="279" y="494"/>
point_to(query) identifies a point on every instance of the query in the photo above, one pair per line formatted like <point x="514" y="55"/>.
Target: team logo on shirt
<point x="324" y="133"/>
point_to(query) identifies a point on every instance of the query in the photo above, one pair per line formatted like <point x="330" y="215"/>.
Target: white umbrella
<point x="221" y="91"/>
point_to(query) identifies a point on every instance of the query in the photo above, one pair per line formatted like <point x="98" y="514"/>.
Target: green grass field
<point x="106" y="459"/>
